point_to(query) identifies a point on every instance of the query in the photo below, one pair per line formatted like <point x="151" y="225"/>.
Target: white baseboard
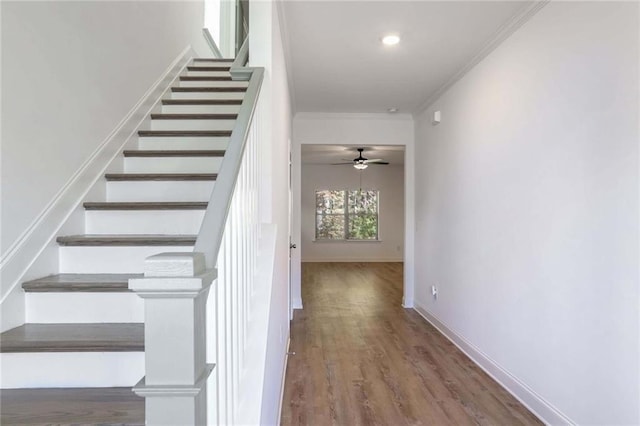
<point x="296" y="303"/>
<point x="23" y="253"/>
<point x="284" y="378"/>
<point x="527" y="396"/>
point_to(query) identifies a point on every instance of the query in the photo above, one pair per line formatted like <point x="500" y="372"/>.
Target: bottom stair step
<point x="72" y="355"/>
<point x="73" y="406"/>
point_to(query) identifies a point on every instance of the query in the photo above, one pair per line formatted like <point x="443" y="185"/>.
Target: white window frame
<point x="346" y="215"/>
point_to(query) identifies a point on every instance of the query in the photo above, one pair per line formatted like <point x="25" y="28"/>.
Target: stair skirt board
<point x="194" y="143"/>
<point x="159" y="191"/>
<point x="172" y="164"/>
<point x="211" y="124"/>
<point x="143" y="221"/>
<point x="70" y="369"/>
<point x="82" y="308"/>
<point x="105" y="260"/>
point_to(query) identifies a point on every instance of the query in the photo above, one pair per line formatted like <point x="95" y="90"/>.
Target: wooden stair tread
<point x="221" y="116"/>
<point x="184" y="133"/>
<point x="160" y="176"/>
<point x="125" y="337"/>
<point x="67" y="283"/>
<point x="208" y="89"/>
<point x="202" y="102"/>
<point x="208" y="68"/>
<point x="174" y="153"/>
<point x="72" y="406"/>
<point x="198" y="78"/>
<point x="222" y="60"/>
<point x="148" y="205"/>
<point x="126" y="240"/>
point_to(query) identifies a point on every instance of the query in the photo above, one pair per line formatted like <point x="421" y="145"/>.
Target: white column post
<point x="175" y="289"/>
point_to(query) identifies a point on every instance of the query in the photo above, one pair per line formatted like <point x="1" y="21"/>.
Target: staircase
<point x="82" y="348"/>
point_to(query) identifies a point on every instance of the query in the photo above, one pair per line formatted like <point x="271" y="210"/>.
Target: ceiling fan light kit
<point x="360" y="166"/>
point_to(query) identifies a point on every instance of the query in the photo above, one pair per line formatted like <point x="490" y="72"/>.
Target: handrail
<point x="212" y="228"/>
<point x="211" y="42"/>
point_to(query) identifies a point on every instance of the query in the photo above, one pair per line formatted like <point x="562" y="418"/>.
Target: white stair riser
<point x="52" y="308"/>
<point x="208" y="73"/>
<point x="199" y="83"/>
<point x="109" y="260"/>
<point x="160" y="191"/>
<point x="143" y="221"/>
<point x="192" y="124"/>
<point x="172" y="164"/>
<point x="182" y="143"/>
<point x="200" y="109"/>
<point x="207" y="95"/>
<point x="71" y="369"/>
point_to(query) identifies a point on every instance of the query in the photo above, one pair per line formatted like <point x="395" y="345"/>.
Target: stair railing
<point x="196" y="344"/>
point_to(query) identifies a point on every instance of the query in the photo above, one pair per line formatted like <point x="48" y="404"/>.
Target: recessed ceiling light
<point x="391" y="39"/>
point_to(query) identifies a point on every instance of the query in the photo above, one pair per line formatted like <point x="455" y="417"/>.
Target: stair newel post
<point x="175" y="289"/>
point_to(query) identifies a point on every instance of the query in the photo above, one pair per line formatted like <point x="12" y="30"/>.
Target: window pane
<point x="363" y="227"/>
<point x="330" y="227"/>
<point x="330" y="202"/>
<point x="363" y="202"/>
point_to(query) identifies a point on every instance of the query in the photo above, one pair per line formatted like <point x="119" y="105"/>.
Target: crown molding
<point x="503" y="33"/>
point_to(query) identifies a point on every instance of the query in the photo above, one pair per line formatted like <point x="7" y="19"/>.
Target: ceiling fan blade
<point x="373" y="160"/>
<point x="378" y="162"/>
<point x="340" y="164"/>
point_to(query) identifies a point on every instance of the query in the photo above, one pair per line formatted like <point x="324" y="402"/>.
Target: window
<point x="347" y="215"/>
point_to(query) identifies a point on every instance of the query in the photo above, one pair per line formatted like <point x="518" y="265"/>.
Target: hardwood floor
<point x="361" y="359"/>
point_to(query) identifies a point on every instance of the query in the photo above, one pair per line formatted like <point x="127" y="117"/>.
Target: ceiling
<point x="327" y="154"/>
<point x="337" y="62"/>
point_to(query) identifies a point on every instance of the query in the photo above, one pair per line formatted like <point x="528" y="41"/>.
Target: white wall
<point x="357" y="130"/>
<point x="389" y="180"/>
<point x="266" y="50"/>
<point x="527" y="212"/>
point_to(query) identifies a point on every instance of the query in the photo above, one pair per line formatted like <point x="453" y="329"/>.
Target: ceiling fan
<point x="361" y="162"/>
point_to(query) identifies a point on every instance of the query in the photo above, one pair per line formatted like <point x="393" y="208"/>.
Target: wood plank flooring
<point x="361" y="359"/>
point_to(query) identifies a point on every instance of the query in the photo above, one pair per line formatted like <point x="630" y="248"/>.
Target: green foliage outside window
<point x="346" y="215"/>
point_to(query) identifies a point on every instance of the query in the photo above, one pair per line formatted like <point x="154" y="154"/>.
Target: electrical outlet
<point x="434" y="291"/>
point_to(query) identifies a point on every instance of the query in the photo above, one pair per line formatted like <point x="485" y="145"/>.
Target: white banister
<point x="210" y="235"/>
<point x="220" y="331"/>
